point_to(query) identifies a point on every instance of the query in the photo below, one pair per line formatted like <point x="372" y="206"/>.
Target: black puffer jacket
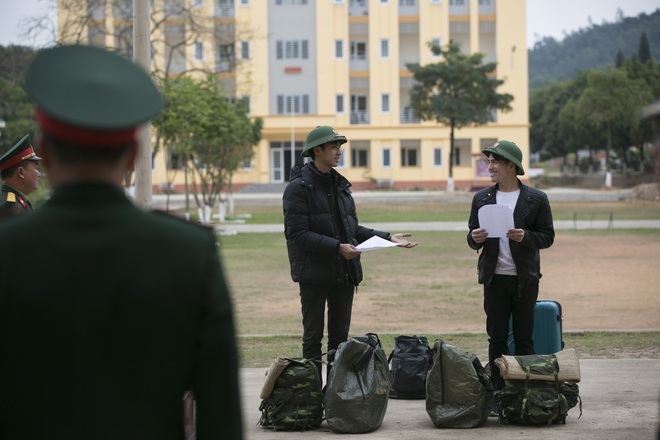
<point x="532" y="214"/>
<point x="311" y="227"/>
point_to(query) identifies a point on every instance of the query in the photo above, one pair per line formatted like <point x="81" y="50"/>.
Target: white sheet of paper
<point x="374" y="243"/>
<point x="496" y="220"/>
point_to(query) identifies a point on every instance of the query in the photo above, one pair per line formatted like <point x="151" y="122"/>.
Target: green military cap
<point x="89" y="96"/>
<point x="18" y="153"/>
<point x="319" y="136"/>
<point x="508" y="150"/>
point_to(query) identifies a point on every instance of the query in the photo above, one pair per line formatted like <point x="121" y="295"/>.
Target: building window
<point x="296" y="104"/>
<point x="292" y="49"/>
<point x="290" y="2"/>
<point x="342" y="161"/>
<point x="245" y="50"/>
<point x="197" y="2"/>
<point x="225" y="58"/>
<point x="359" y="157"/>
<point x="358" y="50"/>
<point x="339" y="49"/>
<point x="409" y="156"/>
<point x="385" y="102"/>
<point x="436" y="2"/>
<point x="199" y="51"/>
<point x="437" y="157"/>
<point x="384" y="48"/>
<point x="386" y="156"/>
<point x="359" y="113"/>
<point x="245" y="3"/>
<point x="339" y="104"/>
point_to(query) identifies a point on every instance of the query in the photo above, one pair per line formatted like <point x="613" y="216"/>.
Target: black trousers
<point x="503" y="299"/>
<point x="313" y="299"/>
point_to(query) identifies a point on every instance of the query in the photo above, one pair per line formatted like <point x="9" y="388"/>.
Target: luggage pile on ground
<point x="539" y="389"/>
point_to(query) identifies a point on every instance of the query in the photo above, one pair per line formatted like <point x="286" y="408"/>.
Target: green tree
<point x="547" y="134"/>
<point x="611" y="97"/>
<point x="211" y="135"/>
<point x="644" y="51"/>
<point x="458" y="91"/>
<point x="618" y="62"/>
<point x="15" y="107"/>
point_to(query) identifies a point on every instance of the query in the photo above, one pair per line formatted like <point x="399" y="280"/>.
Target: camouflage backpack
<point x="294" y="400"/>
<point x="537" y="402"/>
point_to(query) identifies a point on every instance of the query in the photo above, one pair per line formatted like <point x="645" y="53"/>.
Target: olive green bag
<point x="538" y="402"/>
<point x="292" y="395"/>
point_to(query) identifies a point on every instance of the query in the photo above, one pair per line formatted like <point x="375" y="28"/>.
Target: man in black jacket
<point x="322" y="232"/>
<point x="509" y="266"/>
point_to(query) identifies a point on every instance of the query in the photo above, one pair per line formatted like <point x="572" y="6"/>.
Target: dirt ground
<point x="602" y="282"/>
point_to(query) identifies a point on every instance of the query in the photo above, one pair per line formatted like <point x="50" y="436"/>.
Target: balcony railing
<point x="224" y="10"/>
<point x="408" y="116"/>
<point x="359" y="117"/>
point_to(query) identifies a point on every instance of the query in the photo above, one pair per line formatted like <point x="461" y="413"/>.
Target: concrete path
<point x="580" y="224"/>
<point x="620" y="400"/>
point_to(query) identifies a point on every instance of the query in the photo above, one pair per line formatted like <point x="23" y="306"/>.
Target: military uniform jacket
<point x="13" y="202"/>
<point x="107" y="315"/>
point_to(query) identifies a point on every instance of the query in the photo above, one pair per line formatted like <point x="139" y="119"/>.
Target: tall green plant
<point x="458" y="91"/>
<point x="213" y="136"/>
<point x="611" y="97"/>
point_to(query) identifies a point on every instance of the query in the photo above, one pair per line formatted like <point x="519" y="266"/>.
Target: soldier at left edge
<point x="19" y="168"/>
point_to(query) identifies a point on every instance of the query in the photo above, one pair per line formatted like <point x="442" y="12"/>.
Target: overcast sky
<point x="544" y="17"/>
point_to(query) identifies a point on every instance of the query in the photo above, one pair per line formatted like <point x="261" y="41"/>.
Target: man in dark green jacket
<point x="108" y="314"/>
<point x="20" y="177"/>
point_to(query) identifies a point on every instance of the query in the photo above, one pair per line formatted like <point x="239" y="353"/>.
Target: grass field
<point x="435" y="279"/>
<point x="425" y="212"/>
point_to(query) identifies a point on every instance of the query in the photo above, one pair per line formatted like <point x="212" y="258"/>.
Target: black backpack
<point x="409" y="362"/>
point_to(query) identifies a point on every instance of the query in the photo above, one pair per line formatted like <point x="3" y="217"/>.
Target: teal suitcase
<point x="548" y="337"/>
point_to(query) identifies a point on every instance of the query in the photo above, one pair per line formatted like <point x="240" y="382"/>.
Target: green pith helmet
<point x="319" y="136"/>
<point x="509" y="151"/>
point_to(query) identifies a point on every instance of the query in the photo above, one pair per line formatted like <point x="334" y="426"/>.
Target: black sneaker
<point x="495" y="406"/>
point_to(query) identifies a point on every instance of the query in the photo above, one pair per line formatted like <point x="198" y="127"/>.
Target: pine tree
<point x="618" y="62"/>
<point x="644" y="51"/>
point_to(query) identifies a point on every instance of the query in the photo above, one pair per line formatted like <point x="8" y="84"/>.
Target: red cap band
<point x="84" y="136"/>
<point x="18" y="158"/>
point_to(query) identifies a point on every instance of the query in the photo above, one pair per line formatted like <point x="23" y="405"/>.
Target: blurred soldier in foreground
<point x="127" y="309"/>
<point x="20" y="177"/>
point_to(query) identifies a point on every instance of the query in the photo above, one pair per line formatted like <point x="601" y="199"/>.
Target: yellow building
<point x="303" y="63"/>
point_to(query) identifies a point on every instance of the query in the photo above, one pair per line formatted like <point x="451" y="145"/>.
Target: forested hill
<point x="594" y="47"/>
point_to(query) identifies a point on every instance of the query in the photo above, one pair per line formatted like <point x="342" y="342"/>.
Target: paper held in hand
<point x="374" y="243"/>
<point x="496" y="220"/>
